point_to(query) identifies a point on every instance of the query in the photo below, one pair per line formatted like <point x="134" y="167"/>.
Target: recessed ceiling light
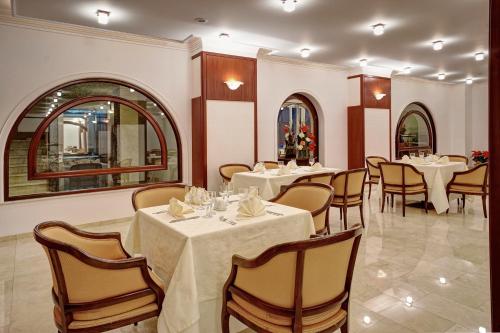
<point x="224" y="35"/>
<point x="305" y="53"/>
<point x="437" y="45"/>
<point x="59" y="94"/>
<point x="289" y="5"/>
<point x="103" y="16"/>
<point x="481" y="329"/>
<point x="409" y="300"/>
<point x="363" y="62"/>
<point x="479" y="56"/>
<point x="378" y="29"/>
<point x="55" y="100"/>
<point x="442" y="280"/>
<point x="468" y="81"/>
<point x="367" y="320"/>
<point x="201" y="20"/>
<point x="441" y="76"/>
<point x="407" y="70"/>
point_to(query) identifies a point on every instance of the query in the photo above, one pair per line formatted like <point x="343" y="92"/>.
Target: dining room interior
<point x="205" y="166"/>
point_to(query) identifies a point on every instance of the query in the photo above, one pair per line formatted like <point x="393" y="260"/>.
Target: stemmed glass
<point x="223" y="191"/>
<point x="311" y="160"/>
<point x="281" y="164"/>
<point x="209" y="203"/>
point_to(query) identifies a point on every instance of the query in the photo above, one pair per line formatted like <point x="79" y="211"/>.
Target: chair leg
<point x="463" y="201"/>
<point x="448" y="196"/>
<point x="341" y="213"/>
<point x="369" y="190"/>
<point x="345" y="217"/>
<point x="392" y="200"/>
<point x="484" y="207"/>
<point x="135" y="324"/>
<point x="404" y="205"/>
<point x="361" y="214"/>
<point x="383" y="202"/>
<point x="345" y="328"/>
<point x="225" y="321"/>
<point x="426" y="202"/>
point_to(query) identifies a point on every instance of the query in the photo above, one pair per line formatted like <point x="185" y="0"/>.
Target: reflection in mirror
<point x="415" y="132"/>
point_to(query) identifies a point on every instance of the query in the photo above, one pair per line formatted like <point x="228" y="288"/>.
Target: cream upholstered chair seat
<point x="97" y="285"/>
<point x="157" y="195"/>
<point x="470" y="182"/>
<point x="408" y="189"/>
<point x="263" y="292"/>
<point x="348" y="187"/>
<point x="227" y="170"/>
<point x="313" y="197"/>
<point x="372" y="163"/>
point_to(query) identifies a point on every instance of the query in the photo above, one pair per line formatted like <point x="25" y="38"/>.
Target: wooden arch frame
<point x="310" y="106"/>
<point x="53" y="91"/>
<point x="35" y="141"/>
<point x="429" y="122"/>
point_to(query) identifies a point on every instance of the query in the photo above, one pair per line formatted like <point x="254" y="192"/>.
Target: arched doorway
<point x="298" y="130"/>
<point x="415" y="131"/>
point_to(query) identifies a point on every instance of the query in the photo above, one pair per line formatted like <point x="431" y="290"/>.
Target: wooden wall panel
<point x="375" y="84"/>
<point x="199" y="143"/>
<point x="221" y="67"/>
<point x="355" y="137"/>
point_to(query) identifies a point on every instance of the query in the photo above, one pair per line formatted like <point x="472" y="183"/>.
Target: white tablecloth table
<point x="269" y="182"/>
<point x="437" y="177"/>
<point x="194" y="258"/>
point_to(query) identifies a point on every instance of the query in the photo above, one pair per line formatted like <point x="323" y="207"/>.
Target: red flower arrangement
<point x="479" y="156"/>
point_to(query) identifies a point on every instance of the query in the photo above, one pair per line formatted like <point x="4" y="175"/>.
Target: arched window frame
<point x="52" y="91"/>
<point x="310" y="106"/>
<point x="429" y="122"/>
<point x="33" y="173"/>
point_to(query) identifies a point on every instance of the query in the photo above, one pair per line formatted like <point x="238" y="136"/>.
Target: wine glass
<point x="412" y="155"/>
<point x="281" y="164"/>
<point x="311" y="160"/>
<point x="243" y="192"/>
<point x="421" y="154"/>
<point x="230" y="188"/>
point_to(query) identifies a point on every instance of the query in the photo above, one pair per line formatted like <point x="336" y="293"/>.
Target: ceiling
<point x="337" y="31"/>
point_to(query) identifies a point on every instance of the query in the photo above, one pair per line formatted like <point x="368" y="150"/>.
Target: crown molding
<point x="195" y="45"/>
<point x="421" y="80"/>
<point x="83" y="31"/>
<point x="262" y="55"/>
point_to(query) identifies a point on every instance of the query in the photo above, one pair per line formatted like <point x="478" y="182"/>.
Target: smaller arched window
<point x="91" y="135"/>
<point x="415" y="131"/>
<point x="297" y="130"/>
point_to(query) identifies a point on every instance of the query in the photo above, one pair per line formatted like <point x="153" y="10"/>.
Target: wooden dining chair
<point x="373" y="171"/>
<point x="294" y="287"/>
<point x="470" y="182"/>
<point x="348" y="187"/>
<point x="157" y="195"/>
<point x="402" y="179"/>
<point x="97" y="285"/>
<point x="458" y="158"/>
<point x="226" y="171"/>
<point x="313" y="197"/>
<point x="271" y="164"/>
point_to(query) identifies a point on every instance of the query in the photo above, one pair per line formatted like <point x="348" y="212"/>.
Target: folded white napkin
<point x="292" y="165"/>
<point x="251" y="206"/>
<point x="195" y="196"/>
<point x="177" y="209"/>
<point x="405" y="159"/>
<point x="286" y="170"/>
<point x="259" y="167"/>
<point x="316" y="166"/>
<point x="434" y="158"/>
<point x="443" y="160"/>
<point x="417" y="160"/>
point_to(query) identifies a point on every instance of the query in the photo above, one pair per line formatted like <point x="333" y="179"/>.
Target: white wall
<point x="327" y="89"/>
<point x="33" y="60"/>
<point x="476" y="101"/>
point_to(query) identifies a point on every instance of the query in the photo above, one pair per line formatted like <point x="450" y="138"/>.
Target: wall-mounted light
<point x="233" y="84"/>
<point x="103" y="16"/>
<point x="379" y="96"/>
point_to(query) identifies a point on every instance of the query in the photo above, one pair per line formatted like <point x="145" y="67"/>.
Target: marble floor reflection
<point x="421" y="273"/>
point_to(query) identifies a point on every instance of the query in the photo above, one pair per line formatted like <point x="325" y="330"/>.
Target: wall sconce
<point x="233" y="84"/>
<point x="379" y="96"/>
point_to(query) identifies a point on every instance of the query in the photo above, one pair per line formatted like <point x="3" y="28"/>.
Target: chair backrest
<point x="458" y="158"/>
<point x="477" y="177"/>
<point x="227" y="170"/>
<point x="400" y="174"/>
<point x="271" y="164"/>
<point x="317" y="271"/>
<point x="157" y="195"/>
<point x="372" y="164"/>
<point x="321" y="178"/>
<point x="313" y="197"/>
<point x="349" y="184"/>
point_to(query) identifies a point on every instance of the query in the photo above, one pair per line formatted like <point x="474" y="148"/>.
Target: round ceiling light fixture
<point x="378" y="29"/>
<point x="363" y="62"/>
<point x="469" y="81"/>
<point x="103" y="16"/>
<point x="201" y="20"/>
<point x="479" y="56"/>
<point x="288" y="5"/>
<point x="407" y="70"/>
<point x="224" y="35"/>
<point x="305" y="53"/>
<point x="441" y="76"/>
<point x="437" y="45"/>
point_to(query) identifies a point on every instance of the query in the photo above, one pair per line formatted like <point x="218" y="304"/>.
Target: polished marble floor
<point x="398" y="258"/>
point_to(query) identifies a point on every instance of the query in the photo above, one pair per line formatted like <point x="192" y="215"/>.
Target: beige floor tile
<point x="417" y="319"/>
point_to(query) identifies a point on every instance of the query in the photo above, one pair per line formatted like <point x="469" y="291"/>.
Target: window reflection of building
<point x="415" y="131"/>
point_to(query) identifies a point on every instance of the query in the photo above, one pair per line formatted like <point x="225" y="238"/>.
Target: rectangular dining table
<point x="193" y="257"/>
<point x="437" y="177"/>
<point x="269" y="182"/>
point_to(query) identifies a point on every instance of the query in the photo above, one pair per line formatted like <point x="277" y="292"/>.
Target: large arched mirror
<point x="415" y="131"/>
<point x="297" y="130"/>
